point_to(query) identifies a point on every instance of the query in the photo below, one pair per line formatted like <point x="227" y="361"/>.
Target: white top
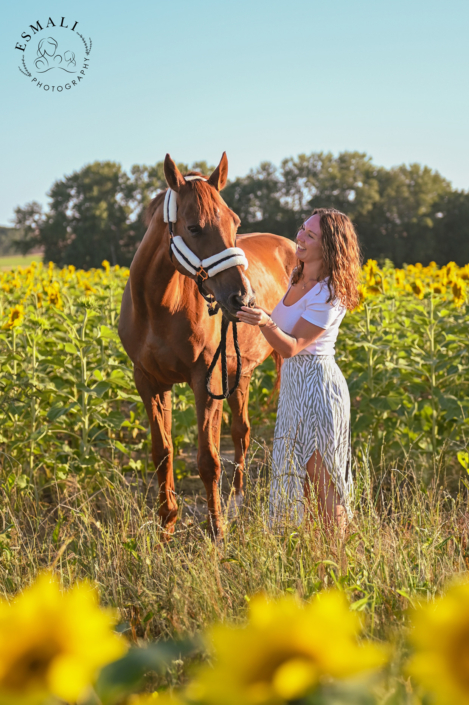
<point x="313" y="307"/>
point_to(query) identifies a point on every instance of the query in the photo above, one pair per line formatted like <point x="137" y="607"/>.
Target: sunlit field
<point x="13" y="261"/>
<point x="78" y="498"/>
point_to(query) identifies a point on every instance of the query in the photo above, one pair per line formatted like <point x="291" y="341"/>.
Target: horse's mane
<point x="208" y="200"/>
<point x="152" y="206"/>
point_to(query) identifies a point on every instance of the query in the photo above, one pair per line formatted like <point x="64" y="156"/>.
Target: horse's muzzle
<point x="236" y="301"/>
<point x="233" y="304"/>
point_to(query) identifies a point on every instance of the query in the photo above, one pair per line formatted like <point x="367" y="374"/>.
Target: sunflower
<point x="440" y="635"/>
<point x="370" y="270"/>
<point x="399" y="276"/>
<point x="88" y="288"/>
<point x="286" y="650"/>
<point x="438" y="288"/>
<point x="15" y="317"/>
<point x="418" y="288"/>
<point x="53" y="295"/>
<point x="361" y="301"/>
<point x="53" y="643"/>
<point x="449" y="272"/>
<point x="458" y="288"/>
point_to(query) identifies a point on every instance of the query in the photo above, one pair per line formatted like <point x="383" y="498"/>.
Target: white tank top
<point x="313" y="307"/>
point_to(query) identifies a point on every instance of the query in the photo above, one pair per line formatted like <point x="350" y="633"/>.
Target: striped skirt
<point x="313" y="415"/>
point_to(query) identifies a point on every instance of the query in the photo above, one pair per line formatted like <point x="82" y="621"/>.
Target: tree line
<point x="407" y="214"/>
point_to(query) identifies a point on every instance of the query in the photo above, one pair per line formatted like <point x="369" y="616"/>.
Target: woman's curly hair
<point x="341" y="255"/>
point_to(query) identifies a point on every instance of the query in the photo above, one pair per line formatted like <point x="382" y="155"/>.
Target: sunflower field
<point x="68" y="402"/>
<point x="263" y="617"/>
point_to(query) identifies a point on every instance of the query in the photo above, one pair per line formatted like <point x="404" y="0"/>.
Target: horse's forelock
<point x="208" y="200"/>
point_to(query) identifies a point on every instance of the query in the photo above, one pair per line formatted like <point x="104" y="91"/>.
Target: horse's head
<point x="208" y="227"/>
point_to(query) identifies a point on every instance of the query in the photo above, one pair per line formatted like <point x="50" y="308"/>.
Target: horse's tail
<point x="278" y="359"/>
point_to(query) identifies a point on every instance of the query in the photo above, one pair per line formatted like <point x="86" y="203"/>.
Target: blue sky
<point x="261" y="80"/>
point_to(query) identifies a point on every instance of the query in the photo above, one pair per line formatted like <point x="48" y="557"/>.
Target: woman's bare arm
<point x="287" y="345"/>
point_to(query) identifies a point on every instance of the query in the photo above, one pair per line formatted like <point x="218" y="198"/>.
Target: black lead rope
<point x="221" y="350"/>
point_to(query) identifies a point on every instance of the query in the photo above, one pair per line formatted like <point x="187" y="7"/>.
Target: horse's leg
<point x="157" y="402"/>
<point x="209" y="415"/>
<point x="240" y="433"/>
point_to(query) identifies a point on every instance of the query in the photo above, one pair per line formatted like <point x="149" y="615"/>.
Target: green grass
<point x="18" y="261"/>
<point x="403" y="544"/>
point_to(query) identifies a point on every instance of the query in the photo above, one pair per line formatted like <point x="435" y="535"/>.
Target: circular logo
<point x="54" y="54"/>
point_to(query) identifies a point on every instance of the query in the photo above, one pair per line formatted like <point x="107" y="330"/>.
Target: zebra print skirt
<point x="313" y="415"/>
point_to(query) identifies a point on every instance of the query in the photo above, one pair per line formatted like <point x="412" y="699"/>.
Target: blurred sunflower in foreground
<point x="52" y="643"/>
<point x="145" y="699"/>
<point x="440" y="636"/>
<point x="286" y="651"/>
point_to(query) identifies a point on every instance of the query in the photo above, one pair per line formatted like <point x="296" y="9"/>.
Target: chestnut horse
<point x="169" y="336"/>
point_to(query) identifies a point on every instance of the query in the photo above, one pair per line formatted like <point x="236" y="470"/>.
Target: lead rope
<point x="221" y="350"/>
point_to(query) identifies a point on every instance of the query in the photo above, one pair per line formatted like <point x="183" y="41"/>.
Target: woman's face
<point x="309" y="240"/>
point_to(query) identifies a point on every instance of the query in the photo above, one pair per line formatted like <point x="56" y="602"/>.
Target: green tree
<point x="257" y="200"/>
<point x="96" y="213"/>
<point x="28" y="221"/>
<point x="451" y="228"/>
<point x="395" y="210"/>
<point x="347" y="182"/>
<point x="91" y="218"/>
<point x="407" y="214"/>
<point x="279" y="199"/>
<point x="400" y="225"/>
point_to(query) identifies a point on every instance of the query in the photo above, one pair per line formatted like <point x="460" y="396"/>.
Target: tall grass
<point x="405" y="541"/>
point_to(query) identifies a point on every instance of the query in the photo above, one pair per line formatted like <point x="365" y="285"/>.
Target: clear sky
<point x="261" y="79"/>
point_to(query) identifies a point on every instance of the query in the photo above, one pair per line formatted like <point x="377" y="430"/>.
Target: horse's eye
<point x="195" y="229"/>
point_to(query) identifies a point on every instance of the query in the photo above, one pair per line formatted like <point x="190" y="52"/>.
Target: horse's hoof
<point x="215" y="529"/>
<point x="168" y="524"/>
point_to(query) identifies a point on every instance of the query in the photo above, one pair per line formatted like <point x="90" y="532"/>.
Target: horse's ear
<point x="173" y="176"/>
<point x="219" y="177"/>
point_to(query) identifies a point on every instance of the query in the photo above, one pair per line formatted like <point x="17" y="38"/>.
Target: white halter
<point x="231" y="257"/>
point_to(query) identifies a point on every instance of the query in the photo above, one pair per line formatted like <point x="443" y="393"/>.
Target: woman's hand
<point x="253" y="316"/>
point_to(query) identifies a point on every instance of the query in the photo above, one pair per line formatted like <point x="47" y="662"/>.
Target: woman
<point x="312" y="433"/>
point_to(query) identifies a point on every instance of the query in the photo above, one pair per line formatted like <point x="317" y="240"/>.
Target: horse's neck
<point x="152" y="273"/>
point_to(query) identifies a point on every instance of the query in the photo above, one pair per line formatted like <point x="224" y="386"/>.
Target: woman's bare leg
<point x="331" y="510"/>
